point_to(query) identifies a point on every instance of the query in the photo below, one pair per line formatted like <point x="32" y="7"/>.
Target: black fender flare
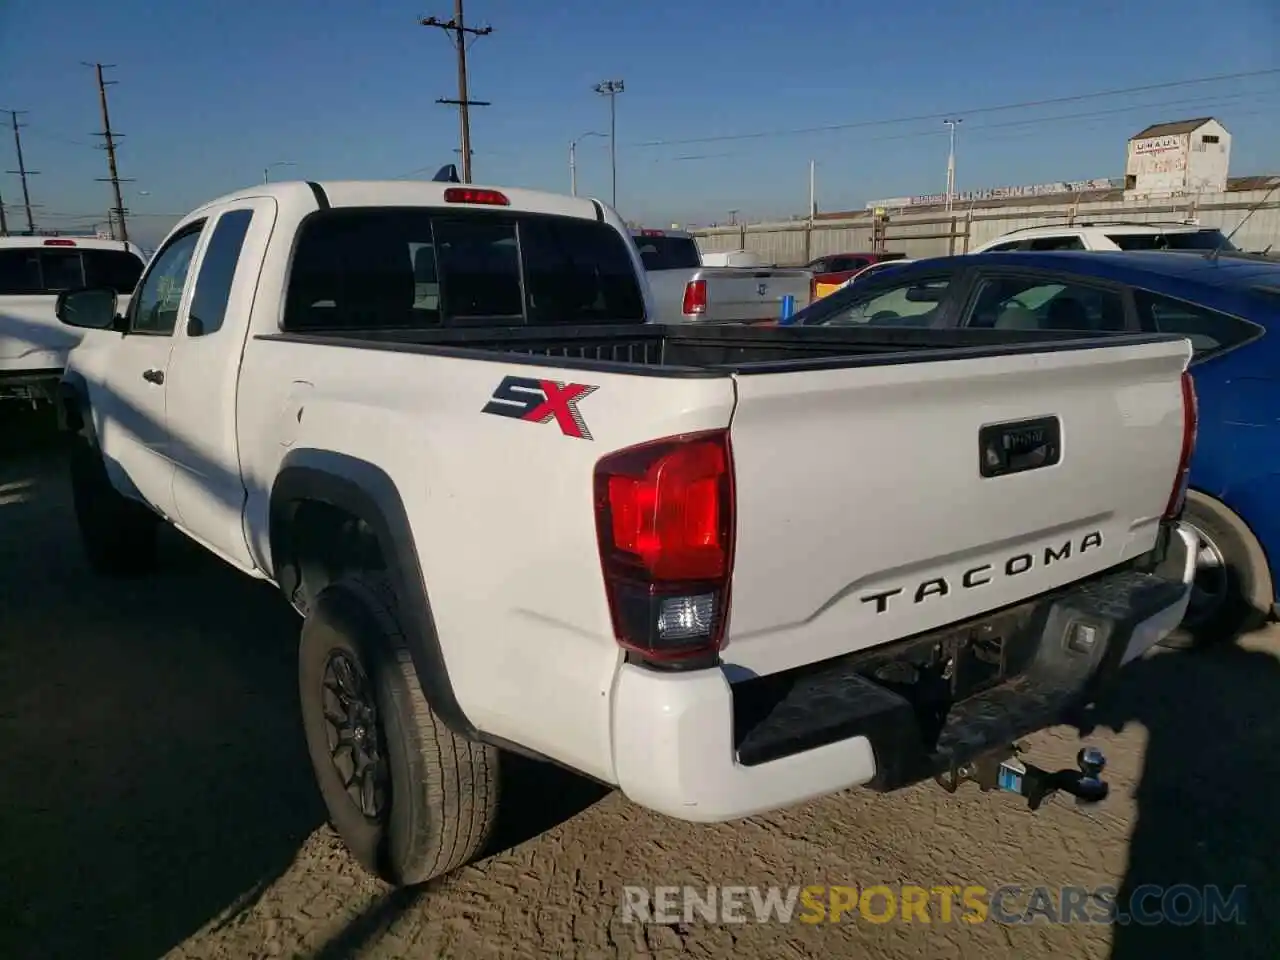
<point x="365" y="491"/>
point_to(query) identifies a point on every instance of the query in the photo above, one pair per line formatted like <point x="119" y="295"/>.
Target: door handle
<point x="153" y="376"/>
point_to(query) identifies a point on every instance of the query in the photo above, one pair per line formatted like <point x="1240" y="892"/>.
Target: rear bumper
<point x="697" y="748"/>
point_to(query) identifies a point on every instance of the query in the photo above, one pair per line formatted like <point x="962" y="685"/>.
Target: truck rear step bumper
<point x="695" y="747"/>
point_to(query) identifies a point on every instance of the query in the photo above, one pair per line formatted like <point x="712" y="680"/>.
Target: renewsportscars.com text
<point x="1180" y="905"/>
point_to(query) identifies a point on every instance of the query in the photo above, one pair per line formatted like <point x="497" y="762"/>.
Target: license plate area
<point x="1019" y="446"/>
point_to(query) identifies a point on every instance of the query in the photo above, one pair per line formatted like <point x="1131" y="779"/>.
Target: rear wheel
<point x="1232" y="593"/>
<point x="410" y="799"/>
<point x="118" y="534"/>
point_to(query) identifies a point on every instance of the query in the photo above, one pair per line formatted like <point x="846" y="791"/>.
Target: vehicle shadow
<point x="1207" y="801"/>
<point x="154" y="774"/>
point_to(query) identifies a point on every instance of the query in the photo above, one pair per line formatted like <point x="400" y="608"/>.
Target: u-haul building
<point x="1171" y="159"/>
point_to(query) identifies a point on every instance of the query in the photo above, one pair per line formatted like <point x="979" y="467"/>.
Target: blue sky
<point x="210" y="92"/>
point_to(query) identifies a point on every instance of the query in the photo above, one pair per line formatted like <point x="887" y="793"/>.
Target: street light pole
<point x="573" y="160"/>
<point x="266" y="171"/>
<point x="951" y="161"/>
<point x="611" y="89"/>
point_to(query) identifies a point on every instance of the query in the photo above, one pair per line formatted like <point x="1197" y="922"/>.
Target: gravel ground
<point x="156" y="800"/>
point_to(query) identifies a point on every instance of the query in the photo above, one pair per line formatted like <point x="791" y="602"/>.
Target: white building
<point x="1172" y="159"/>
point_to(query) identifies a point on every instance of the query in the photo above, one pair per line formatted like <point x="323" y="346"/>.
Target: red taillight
<point x="59" y="243"/>
<point x="695" y="298"/>
<point x="489" y="198"/>
<point x="652" y="233"/>
<point x="1190" y="424"/>
<point x="813" y="289"/>
<point x="665" y="525"/>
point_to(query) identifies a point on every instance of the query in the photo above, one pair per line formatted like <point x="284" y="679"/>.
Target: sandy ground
<point x="156" y="800"/>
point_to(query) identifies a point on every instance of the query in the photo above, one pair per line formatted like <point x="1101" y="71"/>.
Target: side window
<point x="1068" y="242"/>
<point x="1209" y="331"/>
<point x="479" y="269"/>
<point x="1007" y="245"/>
<point x="217" y="271"/>
<point x="578" y="271"/>
<point x="154" y="309"/>
<point x="1021" y="303"/>
<point x="882" y="303"/>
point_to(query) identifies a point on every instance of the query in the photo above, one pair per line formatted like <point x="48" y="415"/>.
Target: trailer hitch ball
<point x="1090" y="788"/>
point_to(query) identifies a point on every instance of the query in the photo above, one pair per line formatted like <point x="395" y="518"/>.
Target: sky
<point x="726" y="102"/>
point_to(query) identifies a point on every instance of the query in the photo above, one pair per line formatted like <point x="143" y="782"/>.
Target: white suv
<point x="1112" y="235"/>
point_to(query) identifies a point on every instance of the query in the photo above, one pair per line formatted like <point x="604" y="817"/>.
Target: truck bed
<point x="678" y="350"/>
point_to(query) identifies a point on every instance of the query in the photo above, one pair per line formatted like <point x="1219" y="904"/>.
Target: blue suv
<point x="1224" y="304"/>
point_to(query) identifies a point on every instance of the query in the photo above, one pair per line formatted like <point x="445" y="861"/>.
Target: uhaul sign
<point x="1157" y="144"/>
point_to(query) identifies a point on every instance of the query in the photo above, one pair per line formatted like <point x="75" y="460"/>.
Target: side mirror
<point x="90" y="308"/>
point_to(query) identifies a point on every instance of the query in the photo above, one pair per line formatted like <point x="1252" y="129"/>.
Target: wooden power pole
<point x="458" y="33"/>
<point x="109" y="137"/>
<point x="22" y="172"/>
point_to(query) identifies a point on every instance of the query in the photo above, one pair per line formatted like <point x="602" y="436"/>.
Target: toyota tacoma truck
<point x="723" y="569"/>
<point x="686" y="290"/>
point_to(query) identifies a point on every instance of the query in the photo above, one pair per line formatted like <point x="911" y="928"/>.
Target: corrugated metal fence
<point x="935" y="233"/>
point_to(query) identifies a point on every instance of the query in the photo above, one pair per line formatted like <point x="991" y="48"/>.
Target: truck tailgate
<point x="739" y="294"/>
<point x="863" y="514"/>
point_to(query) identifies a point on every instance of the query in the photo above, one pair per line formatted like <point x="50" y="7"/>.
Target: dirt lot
<point x="155" y="799"/>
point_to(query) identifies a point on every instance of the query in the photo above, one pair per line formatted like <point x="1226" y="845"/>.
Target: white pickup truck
<point x="724" y="569"/>
<point x="33" y="271"/>
<point x="686" y="289"/>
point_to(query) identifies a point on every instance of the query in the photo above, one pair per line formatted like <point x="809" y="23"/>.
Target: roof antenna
<point x="446" y="174"/>
<point x="1213" y="254"/>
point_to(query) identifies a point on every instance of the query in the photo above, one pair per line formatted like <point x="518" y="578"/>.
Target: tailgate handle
<point x="1019" y="446"/>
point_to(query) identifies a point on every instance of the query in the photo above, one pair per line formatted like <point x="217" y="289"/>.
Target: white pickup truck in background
<point x="33" y="271"/>
<point x="685" y="290"/>
<point x="724" y="569"/>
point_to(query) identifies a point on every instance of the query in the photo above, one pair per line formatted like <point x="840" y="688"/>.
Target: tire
<point x="118" y="534"/>
<point x="1233" y="593"/>
<point x="434" y="794"/>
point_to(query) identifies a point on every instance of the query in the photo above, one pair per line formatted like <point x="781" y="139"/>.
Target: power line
<point x="972" y="111"/>
<point x="109" y="137"/>
<point x="22" y="172"/>
<point x="458" y="33"/>
<point x="1031" y="121"/>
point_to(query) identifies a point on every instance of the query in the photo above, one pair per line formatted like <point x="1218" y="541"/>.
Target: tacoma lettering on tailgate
<point x="541" y="401"/>
<point x="984" y="573"/>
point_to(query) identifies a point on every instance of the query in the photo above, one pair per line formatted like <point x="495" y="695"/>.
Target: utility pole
<point x="458" y="33"/>
<point x="813" y="193"/>
<point x="22" y="170"/>
<point x="611" y="89"/>
<point x="951" y="162"/>
<point x="109" y="136"/>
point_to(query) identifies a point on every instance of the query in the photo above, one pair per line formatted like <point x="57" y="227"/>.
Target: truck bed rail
<point x="715" y="349"/>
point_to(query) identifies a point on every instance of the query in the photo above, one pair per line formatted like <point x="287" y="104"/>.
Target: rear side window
<point x="1017" y="303"/>
<point x="1069" y="242"/>
<point x="1209" y="331"/>
<point x="218" y="271"/>
<point x="669" y="253"/>
<point x="1177" y="240"/>
<point x="47" y="272"/>
<point x="1003" y="247"/>
<point x="420" y="268"/>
